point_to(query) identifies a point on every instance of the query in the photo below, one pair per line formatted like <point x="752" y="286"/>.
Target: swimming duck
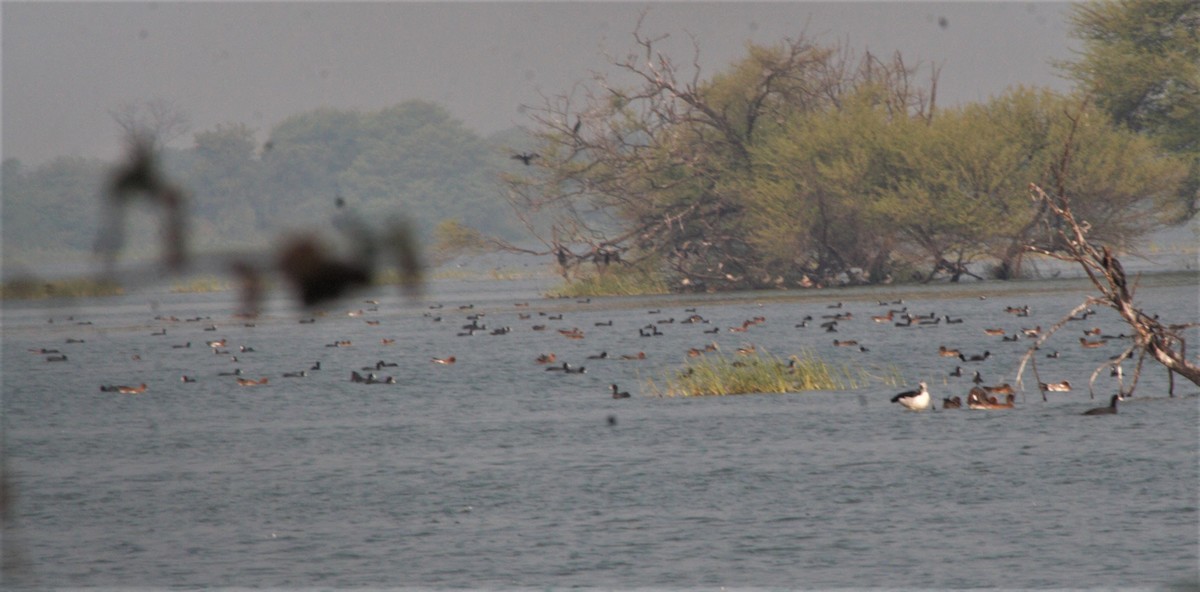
<point x="251" y="381"/>
<point x="975" y="358"/>
<point x="546" y="358"/>
<point x="444" y="361"/>
<point x="1002" y="389"/>
<point x="600" y="356"/>
<point x="618" y="394"/>
<point x="915" y="400"/>
<point x="952" y="403"/>
<point x="186" y="378"/>
<point x="1091" y="344"/>
<point x="946" y="352"/>
<point x="129" y="390"/>
<point x="977" y="398"/>
<point x="300" y="374"/>
<point x="637" y="356"/>
<point x="1059" y="387"/>
<point x="1110" y="410"/>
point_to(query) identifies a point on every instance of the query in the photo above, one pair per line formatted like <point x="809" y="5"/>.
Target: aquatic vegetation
<point x="716" y="374"/>
<point x="28" y="289"/>
<point x="199" y="285"/>
<point x="613" y="282"/>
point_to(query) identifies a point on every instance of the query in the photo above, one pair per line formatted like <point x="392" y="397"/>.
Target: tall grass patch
<point x="717" y="374"/>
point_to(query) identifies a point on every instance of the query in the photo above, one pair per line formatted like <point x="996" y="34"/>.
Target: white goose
<point x="915" y="400"/>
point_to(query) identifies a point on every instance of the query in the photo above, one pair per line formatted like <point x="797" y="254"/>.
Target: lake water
<point x="493" y="473"/>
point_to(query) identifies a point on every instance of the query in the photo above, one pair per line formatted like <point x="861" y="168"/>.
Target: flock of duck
<point x="980" y="396"/>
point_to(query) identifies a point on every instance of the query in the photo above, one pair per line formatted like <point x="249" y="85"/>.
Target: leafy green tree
<point x="1141" y="64"/>
<point x="52" y="207"/>
<point x="225" y="175"/>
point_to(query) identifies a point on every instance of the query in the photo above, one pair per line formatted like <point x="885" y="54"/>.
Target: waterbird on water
<point x="1110" y="410"/>
<point x="915" y="400"/>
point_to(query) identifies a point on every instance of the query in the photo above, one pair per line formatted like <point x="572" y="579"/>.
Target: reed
<point x="200" y="285"/>
<point x="614" y="282"/>
<point x="24" y="289"/>
<point x="717" y="374"/>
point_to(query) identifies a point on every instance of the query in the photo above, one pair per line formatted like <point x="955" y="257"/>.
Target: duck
<point x="957" y="371"/>
<point x="444" y="361"/>
<point x="915" y="400"/>
<point x="637" y="356"/>
<point x="316" y="365"/>
<point x="549" y="358"/>
<point x="977" y="398"/>
<point x="300" y="374"/>
<point x="993" y="332"/>
<point x="1091" y="344"/>
<point x="186" y="378"/>
<point x="131" y="390"/>
<point x="1110" y="410"/>
<point x="1007" y="404"/>
<point x="952" y="403"/>
<point x="1055" y="387"/>
<point x="59" y="358"/>
<point x="1001" y="389"/>
<point x="600" y="356"/>
<point x="236" y="372"/>
<point x="946" y="352"/>
<point x="844" y="343"/>
<point x="975" y="358"/>
<point x="619" y="394"/>
<point x="251" y="381"/>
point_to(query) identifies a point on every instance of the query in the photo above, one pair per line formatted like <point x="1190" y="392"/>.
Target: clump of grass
<point x="717" y="374"/>
<point x="616" y="281"/>
<point x="198" y="285"/>
<point x="32" y="289"/>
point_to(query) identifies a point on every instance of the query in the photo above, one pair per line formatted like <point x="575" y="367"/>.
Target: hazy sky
<point x="66" y="65"/>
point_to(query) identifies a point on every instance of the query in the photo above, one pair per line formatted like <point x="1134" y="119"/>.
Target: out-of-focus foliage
<point x="412" y="159"/>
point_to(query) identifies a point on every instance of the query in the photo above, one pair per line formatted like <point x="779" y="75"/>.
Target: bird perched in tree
<point x="525" y="157"/>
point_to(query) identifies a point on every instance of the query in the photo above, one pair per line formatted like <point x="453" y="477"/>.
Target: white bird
<point x="915" y="400"/>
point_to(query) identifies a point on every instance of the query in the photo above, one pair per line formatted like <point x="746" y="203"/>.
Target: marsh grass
<point x="717" y="374"/>
<point x="617" y="281"/>
<point x="67" y="288"/>
<point x="200" y="285"/>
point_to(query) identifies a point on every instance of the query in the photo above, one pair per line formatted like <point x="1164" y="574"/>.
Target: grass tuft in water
<point x="23" y="289"/>
<point x="716" y="374"/>
<point x="199" y="285"/>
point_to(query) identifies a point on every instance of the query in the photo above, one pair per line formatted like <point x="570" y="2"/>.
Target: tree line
<point x="805" y="164"/>
<point x="412" y="159"/>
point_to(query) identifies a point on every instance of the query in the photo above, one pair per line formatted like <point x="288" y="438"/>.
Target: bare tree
<point x="153" y="123"/>
<point x="656" y="168"/>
